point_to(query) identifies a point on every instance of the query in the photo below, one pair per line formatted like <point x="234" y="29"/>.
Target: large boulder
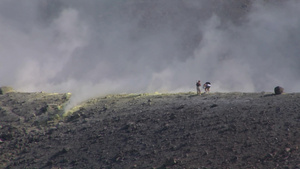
<point x="278" y="90"/>
<point x="6" y="89"/>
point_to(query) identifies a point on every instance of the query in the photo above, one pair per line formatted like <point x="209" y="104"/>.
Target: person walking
<point x="198" y="85"/>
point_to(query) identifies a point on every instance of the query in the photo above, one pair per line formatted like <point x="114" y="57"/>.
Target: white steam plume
<point x="98" y="47"/>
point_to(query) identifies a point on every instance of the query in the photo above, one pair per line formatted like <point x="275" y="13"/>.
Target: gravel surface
<point x="182" y="130"/>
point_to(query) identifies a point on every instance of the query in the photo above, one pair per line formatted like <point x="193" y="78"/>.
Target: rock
<point x="278" y="90"/>
<point x="6" y="89"/>
<point x="213" y="105"/>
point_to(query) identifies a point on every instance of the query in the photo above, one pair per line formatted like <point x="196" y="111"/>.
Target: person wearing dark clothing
<point x="198" y="85"/>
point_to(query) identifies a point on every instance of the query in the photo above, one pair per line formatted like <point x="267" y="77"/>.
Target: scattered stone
<point x="278" y="90"/>
<point x="180" y="107"/>
<point x="214" y="105"/>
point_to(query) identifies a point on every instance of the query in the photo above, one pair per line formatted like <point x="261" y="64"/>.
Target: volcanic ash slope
<point x="183" y="130"/>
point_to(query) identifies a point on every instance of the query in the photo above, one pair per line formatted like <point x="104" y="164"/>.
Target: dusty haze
<point x="97" y="47"/>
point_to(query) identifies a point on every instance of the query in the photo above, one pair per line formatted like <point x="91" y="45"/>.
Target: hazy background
<point x="97" y="47"/>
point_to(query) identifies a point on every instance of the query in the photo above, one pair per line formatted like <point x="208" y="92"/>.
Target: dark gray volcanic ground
<point x="216" y="130"/>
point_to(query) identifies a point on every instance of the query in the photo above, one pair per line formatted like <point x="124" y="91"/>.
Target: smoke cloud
<point x="98" y="47"/>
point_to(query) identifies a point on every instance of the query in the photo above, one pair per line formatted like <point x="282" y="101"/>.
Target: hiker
<point x="206" y="86"/>
<point x="198" y="85"/>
